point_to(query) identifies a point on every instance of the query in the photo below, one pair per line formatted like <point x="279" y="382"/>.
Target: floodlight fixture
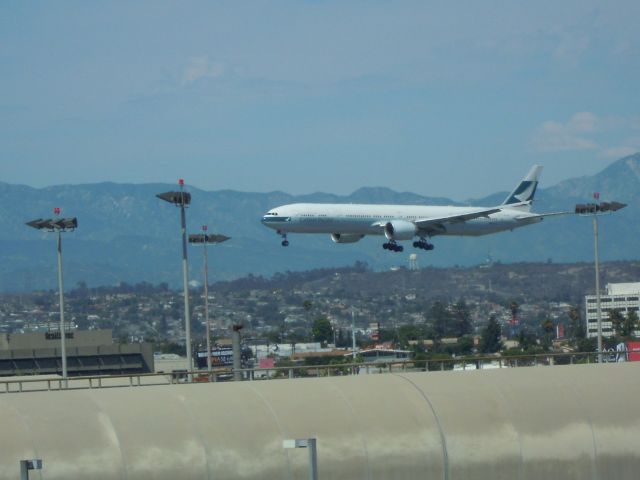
<point x="54" y="224"/>
<point x="58" y="225"/>
<point x="204" y="239"/>
<point x="179" y="199"/>
<point x="182" y="199"/>
<point x="594" y="210"/>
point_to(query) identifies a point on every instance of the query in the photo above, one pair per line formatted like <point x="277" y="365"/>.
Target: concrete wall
<point x="573" y="422"/>
<point x="41" y="340"/>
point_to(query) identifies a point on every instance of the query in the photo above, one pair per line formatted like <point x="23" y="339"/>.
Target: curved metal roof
<point x="571" y="422"/>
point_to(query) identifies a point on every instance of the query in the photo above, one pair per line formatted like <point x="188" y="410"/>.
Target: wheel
<point x="430" y="247"/>
<point x="416" y="244"/>
<point x="385" y="246"/>
<point x="285" y="243"/>
<point x="399" y="248"/>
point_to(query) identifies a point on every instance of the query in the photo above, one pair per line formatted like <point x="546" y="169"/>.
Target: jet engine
<point x="400" y="230"/>
<point x="346" y="237"/>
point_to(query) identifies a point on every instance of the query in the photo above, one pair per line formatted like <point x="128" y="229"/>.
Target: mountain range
<point x="126" y="234"/>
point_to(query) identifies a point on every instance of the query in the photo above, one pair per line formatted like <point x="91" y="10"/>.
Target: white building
<point x="624" y="297"/>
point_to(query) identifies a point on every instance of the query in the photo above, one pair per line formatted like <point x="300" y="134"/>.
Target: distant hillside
<point x="126" y="234"/>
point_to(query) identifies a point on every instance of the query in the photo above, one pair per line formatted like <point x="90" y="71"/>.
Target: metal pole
<point x="353" y="335"/>
<point x="63" y="343"/>
<point x="313" y="459"/>
<point x="235" y="344"/>
<point x="185" y="275"/>
<point x="26" y="465"/>
<point x="206" y="302"/>
<point x="598" y="308"/>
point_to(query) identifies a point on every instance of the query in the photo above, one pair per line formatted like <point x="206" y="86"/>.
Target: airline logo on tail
<point x="526" y="189"/>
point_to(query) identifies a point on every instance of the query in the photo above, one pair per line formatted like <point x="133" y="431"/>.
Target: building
<point x="624" y="297"/>
<point x="89" y="352"/>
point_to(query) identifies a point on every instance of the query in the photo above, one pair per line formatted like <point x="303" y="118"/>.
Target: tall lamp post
<point x="58" y="225"/>
<point x="182" y="199"/>
<point x="204" y="239"/>
<point x="594" y="210"/>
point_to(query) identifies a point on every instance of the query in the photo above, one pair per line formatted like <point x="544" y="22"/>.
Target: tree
<point x="322" y="330"/>
<point x="577" y="330"/>
<point x="547" y="332"/>
<point x="630" y="324"/>
<point x="490" y="338"/>
<point x="440" y="318"/>
<point x="407" y="333"/>
<point x="526" y="339"/>
<point x="617" y="319"/>
<point x="461" y="319"/>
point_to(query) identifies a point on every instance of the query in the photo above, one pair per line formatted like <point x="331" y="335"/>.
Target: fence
<point x="24" y="384"/>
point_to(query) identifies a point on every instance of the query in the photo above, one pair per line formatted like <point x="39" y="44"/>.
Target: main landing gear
<point x="423" y="244"/>
<point x="393" y="246"/>
<point x="285" y="242"/>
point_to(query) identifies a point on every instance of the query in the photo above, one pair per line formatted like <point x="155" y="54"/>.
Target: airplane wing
<point x="426" y="222"/>
<point x="550" y="214"/>
<point x="437" y="224"/>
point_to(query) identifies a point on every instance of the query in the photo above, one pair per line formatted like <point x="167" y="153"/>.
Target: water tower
<point x="413" y="261"/>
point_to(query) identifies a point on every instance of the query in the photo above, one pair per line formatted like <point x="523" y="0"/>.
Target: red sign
<point x="266" y="362"/>
<point x="596" y="195"/>
<point x="181" y="182"/>
<point x="633" y="351"/>
<point x="56" y="211"/>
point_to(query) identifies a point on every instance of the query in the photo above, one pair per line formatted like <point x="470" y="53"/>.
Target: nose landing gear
<point x="285" y="242"/>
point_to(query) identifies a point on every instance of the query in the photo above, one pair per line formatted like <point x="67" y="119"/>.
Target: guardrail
<point x="298" y="371"/>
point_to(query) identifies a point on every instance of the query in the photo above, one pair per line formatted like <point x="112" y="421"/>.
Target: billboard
<point x="222" y="357"/>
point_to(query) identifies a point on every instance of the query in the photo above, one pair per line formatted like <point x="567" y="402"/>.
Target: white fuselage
<point x="367" y="219"/>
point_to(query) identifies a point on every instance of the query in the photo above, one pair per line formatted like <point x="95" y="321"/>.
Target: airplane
<point x="349" y="223"/>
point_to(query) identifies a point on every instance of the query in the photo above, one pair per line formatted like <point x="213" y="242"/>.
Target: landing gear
<point x="285" y="242"/>
<point x="393" y="246"/>
<point x="423" y="244"/>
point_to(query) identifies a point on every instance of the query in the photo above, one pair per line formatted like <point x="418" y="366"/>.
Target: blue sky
<point x="443" y="98"/>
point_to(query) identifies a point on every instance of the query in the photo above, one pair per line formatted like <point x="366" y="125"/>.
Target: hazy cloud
<point x="619" y="152"/>
<point x="555" y="136"/>
<point x="570" y="50"/>
<point x="587" y="131"/>
<point x="201" y="67"/>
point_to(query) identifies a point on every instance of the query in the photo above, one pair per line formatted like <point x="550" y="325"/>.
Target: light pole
<point x="595" y="209"/>
<point x="353" y="335"/>
<point x="58" y="225"/>
<point x="205" y="239"/>
<point x="182" y="199"/>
